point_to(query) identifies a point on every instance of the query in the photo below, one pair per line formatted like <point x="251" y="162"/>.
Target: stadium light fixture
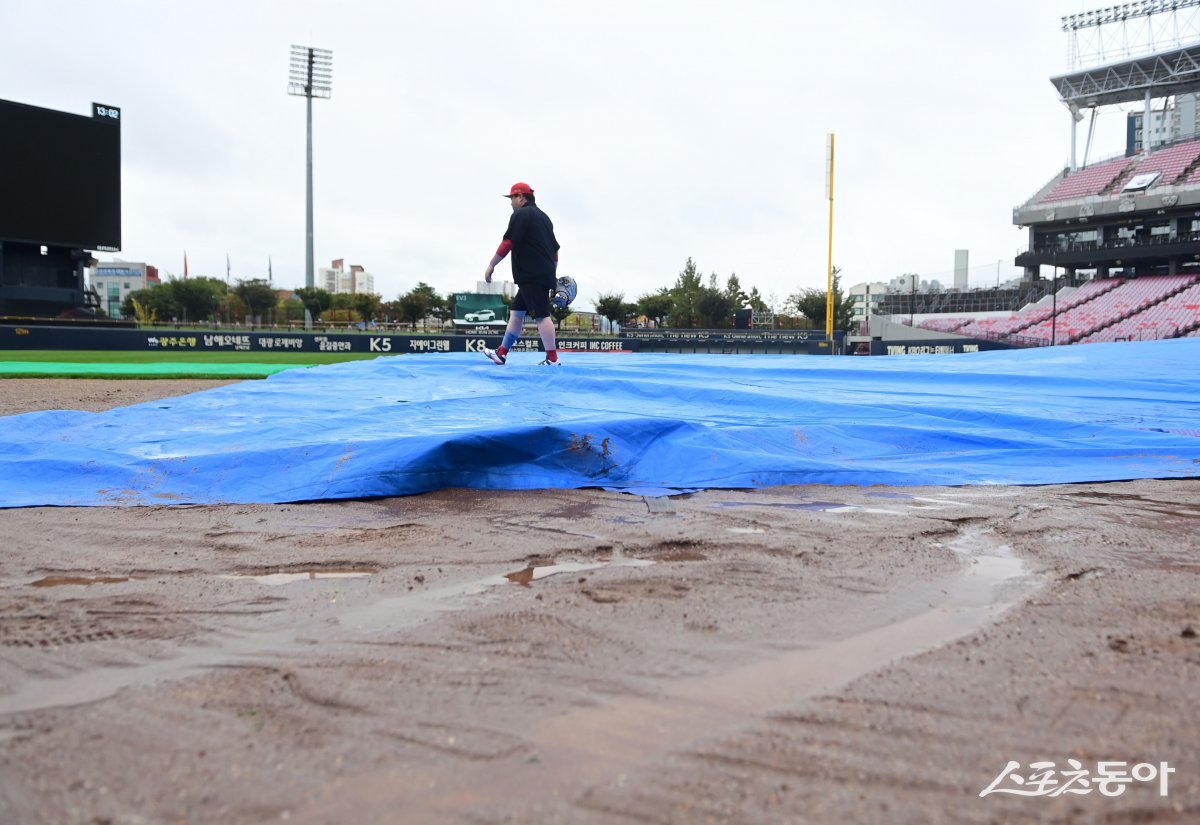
<point x="310" y="74"/>
<point x="1119" y="14"/>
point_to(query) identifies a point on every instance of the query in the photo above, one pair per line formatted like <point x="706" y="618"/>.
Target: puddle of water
<point x="59" y="581"/>
<point x="384" y="615"/>
<point x="276" y="579"/>
<point x="744" y="530"/>
<point x="594" y="744"/>
<point x="398" y="612"/>
<point x="938" y="503"/>
<point x="991" y="568"/>
<point x="589" y="744"/>
<point x="532" y="574"/>
<point x="832" y="506"/>
<point x="841" y="507"/>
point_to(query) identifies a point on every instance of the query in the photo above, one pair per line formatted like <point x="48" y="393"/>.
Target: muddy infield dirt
<point x="794" y="654"/>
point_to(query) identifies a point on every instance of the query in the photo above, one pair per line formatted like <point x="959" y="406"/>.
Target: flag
<point x="185" y="265"/>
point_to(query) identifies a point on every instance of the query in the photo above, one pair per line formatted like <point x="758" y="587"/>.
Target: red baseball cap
<point x="519" y="189"/>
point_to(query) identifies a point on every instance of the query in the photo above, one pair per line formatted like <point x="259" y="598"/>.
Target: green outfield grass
<point x="160" y="364"/>
<point x="297" y="359"/>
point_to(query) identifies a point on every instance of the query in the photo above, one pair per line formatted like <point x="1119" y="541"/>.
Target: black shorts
<point x="531" y="299"/>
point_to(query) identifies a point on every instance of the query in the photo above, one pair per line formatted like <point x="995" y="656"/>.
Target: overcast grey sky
<point x="652" y="131"/>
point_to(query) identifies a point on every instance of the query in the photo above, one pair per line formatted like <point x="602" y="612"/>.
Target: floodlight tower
<point x="310" y="75"/>
<point x="1120" y="54"/>
<point x="1125" y="31"/>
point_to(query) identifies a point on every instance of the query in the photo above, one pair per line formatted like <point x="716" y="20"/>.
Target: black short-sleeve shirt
<point x="533" y="246"/>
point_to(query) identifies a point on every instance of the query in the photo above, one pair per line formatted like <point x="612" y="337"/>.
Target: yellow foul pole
<point x="829" y="285"/>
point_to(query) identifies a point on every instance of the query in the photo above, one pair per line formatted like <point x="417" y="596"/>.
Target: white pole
<point x="308" y="251"/>
<point x="1074" y="127"/>
<point x="1146" y="124"/>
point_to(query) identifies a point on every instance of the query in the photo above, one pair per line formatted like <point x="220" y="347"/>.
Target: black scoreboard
<point x="60" y="177"/>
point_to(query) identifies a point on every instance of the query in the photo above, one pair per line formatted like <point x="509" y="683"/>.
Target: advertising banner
<point x="189" y="340"/>
<point x="797" y="342"/>
<point x="475" y="311"/>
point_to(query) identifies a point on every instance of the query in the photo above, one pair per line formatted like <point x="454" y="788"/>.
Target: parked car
<point x="480" y="316"/>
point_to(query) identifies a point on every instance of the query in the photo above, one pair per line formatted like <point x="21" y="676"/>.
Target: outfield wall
<point x="191" y="340"/>
<point x="749" y="342"/>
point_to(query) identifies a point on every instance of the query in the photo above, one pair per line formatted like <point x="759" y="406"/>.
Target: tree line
<point x="255" y="301"/>
<point x="691" y="303"/>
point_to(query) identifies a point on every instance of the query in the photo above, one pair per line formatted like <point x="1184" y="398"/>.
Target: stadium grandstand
<point x="953" y="301"/>
<point x="1120" y="236"/>
<point x="1103" y="309"/>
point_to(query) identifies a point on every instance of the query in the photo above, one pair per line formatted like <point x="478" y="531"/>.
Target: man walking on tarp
<point x="530" y="238"/>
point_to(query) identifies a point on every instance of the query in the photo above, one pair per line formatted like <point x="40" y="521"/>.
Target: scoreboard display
<point x="60" y="177"/>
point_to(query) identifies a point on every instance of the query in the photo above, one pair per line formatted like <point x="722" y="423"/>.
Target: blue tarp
<point x="409" y="424"/>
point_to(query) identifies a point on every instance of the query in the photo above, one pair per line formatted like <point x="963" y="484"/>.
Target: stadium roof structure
<point x="1172" y="72"/>
<point x="1137" y="213"/>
